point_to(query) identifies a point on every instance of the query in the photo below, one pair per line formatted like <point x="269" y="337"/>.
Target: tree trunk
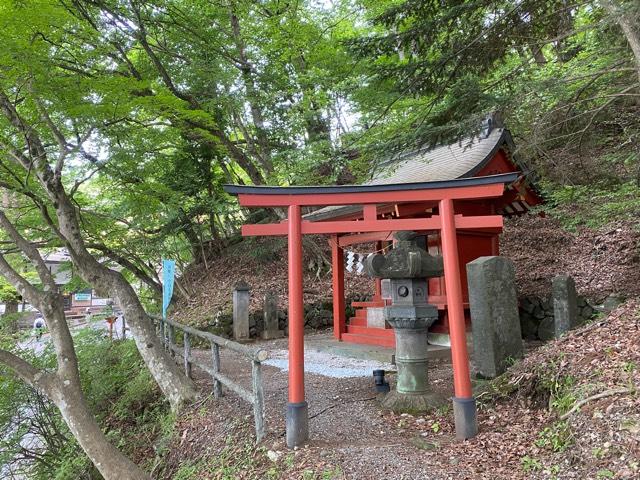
<point x="192" y="237"/>
<point x="628" y="24"/>
<point x="111" y="464"/>
<point x="63" y="386"/>
<point x="318" y="128"/>
<point x="10" y="306"/>
<point x="246" y="70"/>
<point x="176" y="387"/>
<point x="538" y="55"/>
<point x="136" y="269"/>
<point x="67" y="396"/>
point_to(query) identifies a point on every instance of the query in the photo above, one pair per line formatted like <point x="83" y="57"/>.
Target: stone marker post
<point x="565" y="304"/>
<point x="270" y="310"/>
<point x="241" y="295"/>
<point x="495" y="321"/>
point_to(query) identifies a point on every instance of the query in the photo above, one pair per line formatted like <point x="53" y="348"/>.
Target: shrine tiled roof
<point x="462" y="159"/>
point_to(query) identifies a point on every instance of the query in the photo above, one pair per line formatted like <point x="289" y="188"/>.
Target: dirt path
<point x="350" y="437"/>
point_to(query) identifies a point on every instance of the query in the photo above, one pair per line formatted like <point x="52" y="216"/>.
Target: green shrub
<point x="594" y="205"/>
<point x="9" y="322"/>
<point x="119" y="389"/>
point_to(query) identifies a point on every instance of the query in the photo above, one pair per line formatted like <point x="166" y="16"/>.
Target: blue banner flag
<point x="168" y="276"/>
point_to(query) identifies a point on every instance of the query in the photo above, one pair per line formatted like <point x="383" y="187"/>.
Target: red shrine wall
<point x="500" y="163"/>
<point x="471" y="245"/>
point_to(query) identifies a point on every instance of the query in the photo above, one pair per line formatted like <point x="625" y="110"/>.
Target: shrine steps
<point x="369" y="304"/>
<point x="358" y="321"/>
<point x="359" y="332"/>
<point x="373" y="332"/>
<point x="379" y="340"/>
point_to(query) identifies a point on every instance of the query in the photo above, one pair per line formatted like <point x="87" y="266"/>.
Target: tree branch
<point x="29" y="250"/>
<point x="607" y="393"/>
<point x="27" y="372"/>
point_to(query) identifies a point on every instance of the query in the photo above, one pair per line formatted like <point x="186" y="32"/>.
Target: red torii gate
<point x="444" y="193"/>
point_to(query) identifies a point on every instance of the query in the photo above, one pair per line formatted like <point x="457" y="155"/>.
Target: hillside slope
<point x="602" y="261"/>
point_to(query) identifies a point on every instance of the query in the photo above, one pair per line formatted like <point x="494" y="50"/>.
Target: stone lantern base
<point x="412" y="393"/>
<point x="412" y="403"/>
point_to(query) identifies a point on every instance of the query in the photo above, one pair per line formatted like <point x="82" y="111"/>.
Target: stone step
<point x="375" y="332"/>
<point x="382" y="341"/>
<point x="362" y="313"/>
<point x="372" y="304"/>
<point x="361" y="322"/>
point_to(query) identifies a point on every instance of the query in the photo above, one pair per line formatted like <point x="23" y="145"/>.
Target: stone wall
<point x="536" y="316"/>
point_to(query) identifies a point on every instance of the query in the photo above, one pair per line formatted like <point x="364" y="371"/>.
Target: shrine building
<point x="454" y="196"/>
<point x="489" y="154"/>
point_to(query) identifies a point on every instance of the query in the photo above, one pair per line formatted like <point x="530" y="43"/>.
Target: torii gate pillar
<point x="464" y="405"/>
<point x="297" y="419"/>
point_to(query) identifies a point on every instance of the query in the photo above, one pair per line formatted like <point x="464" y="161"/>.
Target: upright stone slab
<point x="375" y="317"/>
<point x="565" y="304"/>
<point x="270" y="310"/>
<point x="241" y="295"/>
<point x="497" y="338"/>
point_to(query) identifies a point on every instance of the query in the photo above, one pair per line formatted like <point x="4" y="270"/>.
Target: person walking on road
<point x="38" y="327"/>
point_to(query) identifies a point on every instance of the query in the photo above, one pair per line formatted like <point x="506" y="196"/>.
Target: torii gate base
<point x="441" y="196"/>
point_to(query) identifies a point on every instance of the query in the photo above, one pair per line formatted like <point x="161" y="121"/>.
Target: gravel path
<point x="348" y="431"/>
<point x="328" y="365"/>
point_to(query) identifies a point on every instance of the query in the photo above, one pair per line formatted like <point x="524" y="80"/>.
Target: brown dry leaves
<point x="601" y="261"/>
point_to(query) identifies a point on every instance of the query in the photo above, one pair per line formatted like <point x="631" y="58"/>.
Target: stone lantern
<point x="408" y="267"/>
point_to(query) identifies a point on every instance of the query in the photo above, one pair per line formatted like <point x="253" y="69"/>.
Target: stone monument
<point x="493" y="302"/>
<point x="241" y="296"/>
<point x="565" y="304"/>
<point x="407" y="266"/>
<point x="270" y="310"/>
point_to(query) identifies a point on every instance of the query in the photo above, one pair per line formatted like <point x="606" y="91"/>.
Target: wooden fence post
<point x="255" y="396"/>
<point x="258" y="402"/>
<point x="171" y="340"/>
<point x="187" y="355"/>
<point x="217" y="386"/>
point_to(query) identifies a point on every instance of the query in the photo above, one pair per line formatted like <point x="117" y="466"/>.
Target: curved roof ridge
<point x="464" y="159"/>
<point x="444" y="162"/>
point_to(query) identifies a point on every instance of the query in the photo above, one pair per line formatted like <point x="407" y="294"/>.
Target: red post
<point x="297" y="427"/>
<point x="337" y="273"/>
<point x="296" y="308"/>
<point x="463" y="402"/>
